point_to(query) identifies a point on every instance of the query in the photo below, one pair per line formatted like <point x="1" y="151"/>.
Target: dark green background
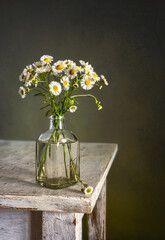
<point x="124" y="40"/>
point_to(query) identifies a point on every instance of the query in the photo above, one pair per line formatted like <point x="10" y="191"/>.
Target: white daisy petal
<point x="46" y="59"/>
<point x="73" y="108"/>
<point x="55" y="88"/>
<point x="22" y="92"/>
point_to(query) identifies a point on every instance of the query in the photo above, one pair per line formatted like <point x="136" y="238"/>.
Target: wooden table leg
<point x="61" y="226"/>
<point x="15" y="224"/>
<point x="97" y="219"/>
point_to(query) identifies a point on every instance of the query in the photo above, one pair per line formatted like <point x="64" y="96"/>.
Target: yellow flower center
<point x="47" y="59"/>
<point x="72" y="71"/>
<point x="22" y="92"/>
<point x="88" y="190"/>
<point x="65" y="82"/>
<point x="87" y="82"/>
<point x="59" y="67"/>
<point x="94" y="75"/>
<point x="55" y="88"/>
<point x="87" y="71"/>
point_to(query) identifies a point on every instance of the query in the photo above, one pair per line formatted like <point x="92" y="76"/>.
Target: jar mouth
<point x="52" y="117"/>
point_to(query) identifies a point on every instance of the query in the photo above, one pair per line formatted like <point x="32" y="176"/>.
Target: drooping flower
<point x="45" y="59"/>
<point x="22" y="92"/>
<point x="73" y="108"/>
<point x="99" y="107"/>
<point x="65" y="82"/>
<point x="55" y="88"/>
<point x="87" y="83"/>
<point x="88" y="190"/>
<point x="58" y="67"/>
<point x="104" y="80"/>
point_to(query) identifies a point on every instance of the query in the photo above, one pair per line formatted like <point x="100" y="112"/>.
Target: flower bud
<point x="71" y="102"/>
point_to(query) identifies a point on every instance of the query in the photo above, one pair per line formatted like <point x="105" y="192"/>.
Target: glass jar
<point x="57" y="156"/>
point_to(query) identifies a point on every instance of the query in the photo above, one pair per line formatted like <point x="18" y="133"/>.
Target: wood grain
<point x="97" y="219"/>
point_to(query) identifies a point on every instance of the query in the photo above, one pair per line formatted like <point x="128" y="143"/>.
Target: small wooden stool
<point x="28" y="211"/>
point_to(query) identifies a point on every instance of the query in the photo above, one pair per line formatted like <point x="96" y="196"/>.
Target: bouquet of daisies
<point x="57" y="83"/>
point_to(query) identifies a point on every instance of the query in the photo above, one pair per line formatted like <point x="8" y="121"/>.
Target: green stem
<point x="84" y="95"/>
<point x="72" y="165"/>
<point x="65" y="160"/>
<point x="42" y="160"/>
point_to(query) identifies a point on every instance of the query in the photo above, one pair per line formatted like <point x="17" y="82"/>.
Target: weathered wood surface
<point x="15" y="224"/>
<point x="18" y="188"/>
<point x="62" y="226"/>
<point x="97" y="219"/>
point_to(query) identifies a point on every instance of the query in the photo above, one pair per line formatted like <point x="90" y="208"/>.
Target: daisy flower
<point x="95" y="77"/>
<point x="73" y="108"/>
<point x="69" y="62"/>
<point x="87" y="83"/>
<point x="22" y="77"/>
<point x="55" y="88"/>
<point x="72" y="71"/>
<point x="65" y="82"/>
<point x="58" y="67"/>
<point x="88" y="67"/>
<point x="99" y="107"/>
<point x="29" y="80"/>
<point x="43" y="69"/>
<point x="45" y="59"/>
<point x="37" y="64"/>
<point x="88" y="190"/>
<point x="28" y="70"/>
<point x="104" y="79"/>
<point x="22" y="92"/>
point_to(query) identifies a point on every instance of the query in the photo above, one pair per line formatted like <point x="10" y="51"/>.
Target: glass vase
<point x="57" y="156"/>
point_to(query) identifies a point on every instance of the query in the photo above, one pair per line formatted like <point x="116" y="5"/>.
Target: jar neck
<point x="57" y="122"/>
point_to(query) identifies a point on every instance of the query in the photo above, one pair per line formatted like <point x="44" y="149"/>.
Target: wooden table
<point x="29" y="211"/>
